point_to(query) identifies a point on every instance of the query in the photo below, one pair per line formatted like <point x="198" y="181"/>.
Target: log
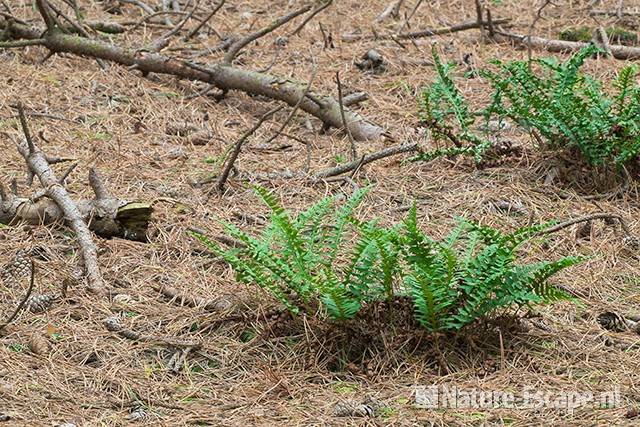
<point x="551" y="45"/>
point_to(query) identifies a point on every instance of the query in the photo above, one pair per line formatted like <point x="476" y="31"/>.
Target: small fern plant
<point x="301" y="261"/>
<point x="445" y="111"/>
<point x="472" y="274"/>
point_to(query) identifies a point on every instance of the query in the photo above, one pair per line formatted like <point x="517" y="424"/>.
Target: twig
<point x="204" y="21"/>
<point x="163" y="41"/>
<point x="78" y="28"/>
<point x="352" y="143"/>
<point x="413" y="11"/>
<point x="238" y="45"/>
<point x="24" y="300"/>
<point x="586" y="218"/>
<point x="346" y="167"/>
<point x="238" y="147"/>
<point x="140" y="4"/>
<point x="536" y="17"/>
<point x="392" y="10"/>
<point x="313" y="13"/>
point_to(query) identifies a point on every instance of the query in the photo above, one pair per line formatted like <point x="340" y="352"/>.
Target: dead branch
<point x="39" y="166"/>
<point x="163" y="41"/>
<point x="140" y="4"/>
<point x="322" y="6"/>
<point x="393" y="9"/>
<point x="174" y="294"/>
<point x="551" y="45"/>
<point x="286" y="122"/>
<point x="238" y="147"/>
<point x="615" y="13"/>
<point x="346" y="167"/>
<point x="24" y="299"/>
<point x="238" y="45"/>
<point x="223" y="76"/>
<point x="204" y="21"/>
<point x="423" y="33"/>
<point x="352" y="143"/>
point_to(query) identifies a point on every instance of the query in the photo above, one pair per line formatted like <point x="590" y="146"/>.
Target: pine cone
<point x="40" y="303"/>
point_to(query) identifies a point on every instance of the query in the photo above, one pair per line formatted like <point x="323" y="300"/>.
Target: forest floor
<point x="252" y="371"/>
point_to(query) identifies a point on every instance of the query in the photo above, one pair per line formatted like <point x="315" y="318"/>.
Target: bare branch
<point x="238" y="45"/>
<point x="24" y="300"/>
<point x="346" y="167"/>
<point x="313" y="13"/>
<point x="204" y="21"/>
<point x="97" y="185"/>
<point x="238" y="147"/>
<point x="352" y="143"/>
<point x="38" y="165"/>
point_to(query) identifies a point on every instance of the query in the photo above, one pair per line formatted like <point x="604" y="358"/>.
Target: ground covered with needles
<point x="153" y="139"/>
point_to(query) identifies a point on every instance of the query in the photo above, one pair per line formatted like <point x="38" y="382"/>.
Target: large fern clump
<point x="561" y="107"/>
<point x="571" y="110"/>
<point x="325" y="261"/>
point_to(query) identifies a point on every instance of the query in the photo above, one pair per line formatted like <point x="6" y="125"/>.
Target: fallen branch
<point x="551" y="45"/>
<point x="224" y="77"/>
<point x="424" y="33"/>
<point x="368" y="158"/>
<point x="586" y="218"/>
<point x="39" y="166"/>
<point x="616" y="13"/>
<point x="393" y="9"/>
<point x="113" y="324"/>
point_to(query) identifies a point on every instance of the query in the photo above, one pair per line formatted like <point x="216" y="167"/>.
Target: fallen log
<point x="424" y="33"/>
<point x="223" y="76"/>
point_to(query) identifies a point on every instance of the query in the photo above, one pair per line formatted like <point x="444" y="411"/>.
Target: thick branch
<point x="38" y="165"/>
<point x="224" y="77"/>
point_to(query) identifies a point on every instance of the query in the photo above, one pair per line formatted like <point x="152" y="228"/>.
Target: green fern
<point x="308" y="264"/>
<point x="446" y="112"/>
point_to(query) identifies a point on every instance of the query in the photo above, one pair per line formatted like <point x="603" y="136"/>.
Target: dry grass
<point x="242" y="375"/>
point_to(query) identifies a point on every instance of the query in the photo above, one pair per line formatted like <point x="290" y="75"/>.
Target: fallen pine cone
<point x="39" y="344"/>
